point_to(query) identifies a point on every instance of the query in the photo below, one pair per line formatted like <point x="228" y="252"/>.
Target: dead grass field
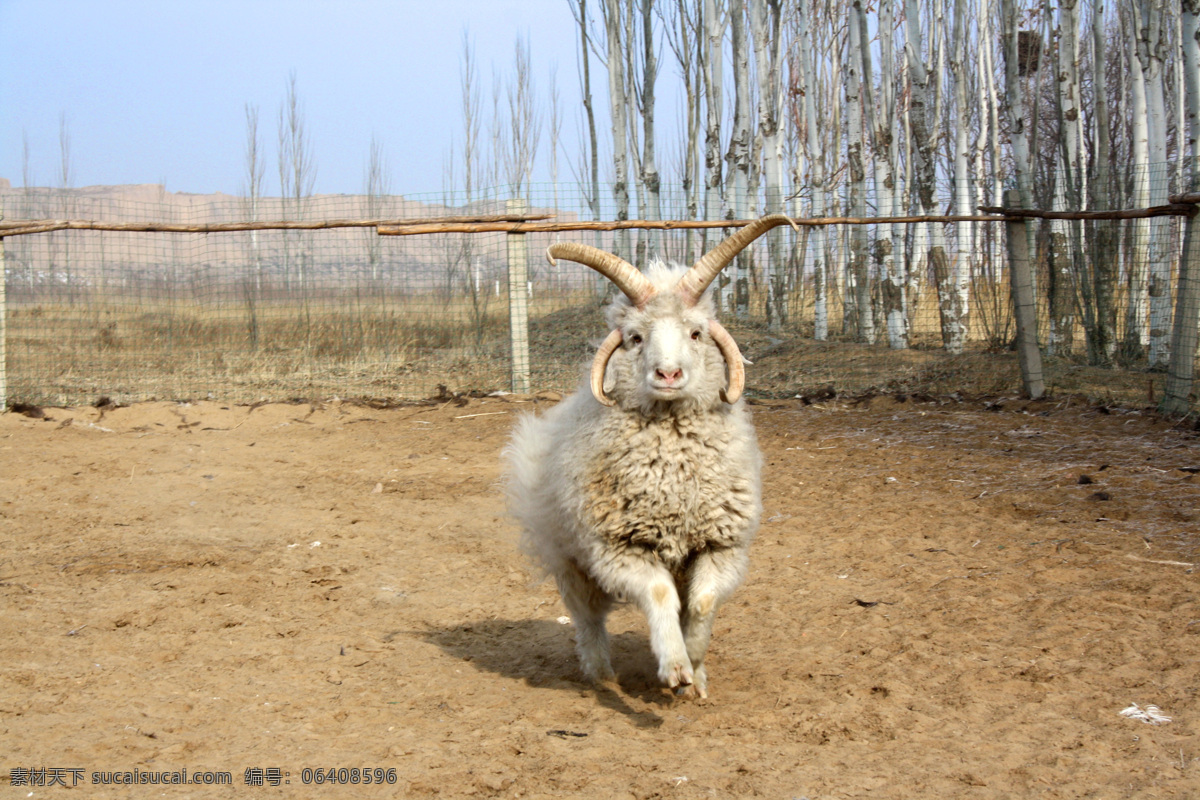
<point x="369" y="345"/>
<point x="944" y="601"/>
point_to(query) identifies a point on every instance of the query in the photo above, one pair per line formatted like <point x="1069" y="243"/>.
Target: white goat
<point x="649" y="492"/>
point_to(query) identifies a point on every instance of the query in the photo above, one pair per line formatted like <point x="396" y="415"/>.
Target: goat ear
<point x="600" y="366"/>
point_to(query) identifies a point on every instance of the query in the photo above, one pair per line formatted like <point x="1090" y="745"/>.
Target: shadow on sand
<point x="542" y="654"/>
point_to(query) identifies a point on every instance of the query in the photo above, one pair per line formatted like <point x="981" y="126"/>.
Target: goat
<point x="647" y="492"/>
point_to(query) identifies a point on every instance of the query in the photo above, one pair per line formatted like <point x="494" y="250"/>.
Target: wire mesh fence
<point x="251" y="315"/>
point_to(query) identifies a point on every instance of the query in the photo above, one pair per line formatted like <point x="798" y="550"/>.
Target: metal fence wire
<point x="274" y="315"/>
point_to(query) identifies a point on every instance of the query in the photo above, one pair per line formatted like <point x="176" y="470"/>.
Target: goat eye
<point x="636" y="338"/>
<point x="696" y="334"/>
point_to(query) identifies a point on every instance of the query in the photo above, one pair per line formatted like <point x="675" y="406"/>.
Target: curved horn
<point x="733" y="358"/>
<point x="600" y="365"/>
<point x="692" y="285"/>
<point x="635" y="285"/>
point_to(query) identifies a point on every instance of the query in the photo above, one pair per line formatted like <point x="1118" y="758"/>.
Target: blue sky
<point x="154" y="91"/>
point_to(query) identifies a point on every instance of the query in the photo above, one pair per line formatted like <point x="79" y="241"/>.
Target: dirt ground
<point x="945" y="599"/>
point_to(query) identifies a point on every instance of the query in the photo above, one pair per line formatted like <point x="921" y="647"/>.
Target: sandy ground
<point x="944" y="600"/>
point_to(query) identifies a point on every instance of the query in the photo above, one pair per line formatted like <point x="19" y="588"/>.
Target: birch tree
<point x="651" y="182"/>
<point x="1063" y="254"/>
<point x="921" y="109"/>
<point x="881" y="121"/>
<point x="255" y="170"/>
<point x="767" y="34"/>
<point x="376" y="188"/>
<point x="297" y="176"/>
<point x="470" y="103"/>
<point x="66" y="180"/>
<point x="591" y="157"/>
<point x="716" y="18"/>
<point x="617" y="106"/>
<point x="524" y="123"/>
<point x="956" y="314"/>
<point x="1137" y="334"/>
<point x="682" y="23"/>
<point x="462" y="260"/>
<point x="1152" y="51"/>
<point x="738" y="155"/>
<point x="858" y="319"/>
<point x="805" y="88"/>
<point x="1099" y="270"/>
<point x="630" y="27"/>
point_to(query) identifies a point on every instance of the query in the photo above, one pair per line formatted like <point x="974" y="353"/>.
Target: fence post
<point x="1024" y="306"/>
<point x="518" y="302"/>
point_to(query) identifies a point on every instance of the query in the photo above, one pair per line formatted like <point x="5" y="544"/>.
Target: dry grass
<point x="351" y="345"/>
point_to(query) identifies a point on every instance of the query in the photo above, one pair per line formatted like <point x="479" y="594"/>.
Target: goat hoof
<point x="677" y="676"/>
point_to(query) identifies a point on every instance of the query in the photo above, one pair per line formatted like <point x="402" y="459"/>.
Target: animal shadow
<point x="542" y="654"/>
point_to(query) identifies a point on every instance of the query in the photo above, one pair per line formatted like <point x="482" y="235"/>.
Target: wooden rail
<point x="25" y="226"/>
<point x="1180" y="205"/>
<point x="1173" y="209"/>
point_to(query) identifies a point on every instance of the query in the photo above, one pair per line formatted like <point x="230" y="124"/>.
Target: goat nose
<point x="669" y="376"/>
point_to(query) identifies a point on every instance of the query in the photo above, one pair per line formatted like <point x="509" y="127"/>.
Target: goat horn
<point x="635" y="285"/>
<point x="600" y="366"/>
<point x="692" y="285"/>
<point x="733" y="358"/>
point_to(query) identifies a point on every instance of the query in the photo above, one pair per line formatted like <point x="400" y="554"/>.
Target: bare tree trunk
<point x="684" y="35"/>
<point x="462" y="262"/>
<point x="618" y="104"/>
<point x="1137" y="334"/>
<point x="767" y="35"/>
<point x="805" y="85"/>
<point x="471" y="121"/>
<point x="1152" y="52"/>
<point x="881" y="111"/>
<point x="297" y="176"/>
<point x="252" y="287"/>
<point x="1065" y="256"/>
<point x="67" y="201"/>
<point x="255" y="169"/>
<point x="592" y="186"/>
<point x="633" y="95"/>
<point x="956" y="311"/>
<point x="712" y="63"/>
<point x="589" y="173"/>
<point x="1014" y="106"/>
<point x="376" y="188"/>
<point x="858" y="313"/>
<point x="738" y="155"/>
<point x="650" y="177"/>
<point x="524" y="124"/>
<point x="923" y="107"/>
<point x="1101" y="329"/>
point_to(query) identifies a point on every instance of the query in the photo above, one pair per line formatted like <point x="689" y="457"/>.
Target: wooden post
<point x="1024" y="306"/>
<point x="518" y="303"/>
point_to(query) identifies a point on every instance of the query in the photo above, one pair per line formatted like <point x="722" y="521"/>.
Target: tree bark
<point x="738" y="156"/>
<point x="617" y="107"/>
<point x="858" y="316"/>
<point x="766" y="33"/>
